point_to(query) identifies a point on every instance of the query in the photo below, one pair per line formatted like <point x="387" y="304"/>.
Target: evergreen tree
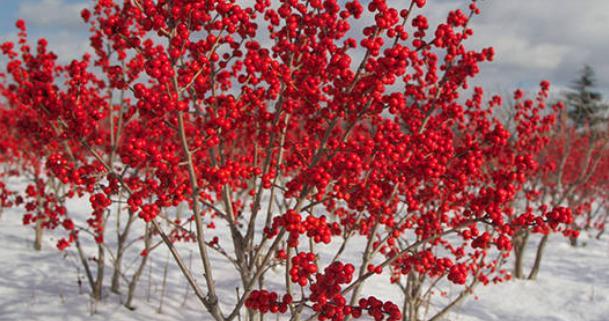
<point x="585" y="105"/>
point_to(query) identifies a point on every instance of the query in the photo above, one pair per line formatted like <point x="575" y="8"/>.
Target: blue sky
<point x="534" y="39"/>
<point x="57" y="20"/>
<point x="9" y="7"/>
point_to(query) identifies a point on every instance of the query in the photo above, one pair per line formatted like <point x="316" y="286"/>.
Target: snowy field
<point x="573" y="286"/>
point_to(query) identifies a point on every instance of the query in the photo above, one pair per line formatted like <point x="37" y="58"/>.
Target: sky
<point x="534" y="39"/>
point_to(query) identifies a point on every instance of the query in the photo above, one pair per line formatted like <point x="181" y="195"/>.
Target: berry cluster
<point x="267" y="302"/>
<point x="303" y="266"/>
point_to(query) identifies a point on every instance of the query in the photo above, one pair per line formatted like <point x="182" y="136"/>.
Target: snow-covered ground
<point x="573" y="286"/>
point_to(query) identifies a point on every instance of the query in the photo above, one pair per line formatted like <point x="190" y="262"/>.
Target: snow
<point x="573" y="284"/>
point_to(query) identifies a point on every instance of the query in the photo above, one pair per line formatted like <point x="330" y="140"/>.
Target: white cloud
<point x="544" y="39"/>
<point x="519" y="50"/>
<point x="52" y="13"/>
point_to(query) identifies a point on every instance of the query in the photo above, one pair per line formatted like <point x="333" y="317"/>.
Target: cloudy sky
<point x="534" y="39"/>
